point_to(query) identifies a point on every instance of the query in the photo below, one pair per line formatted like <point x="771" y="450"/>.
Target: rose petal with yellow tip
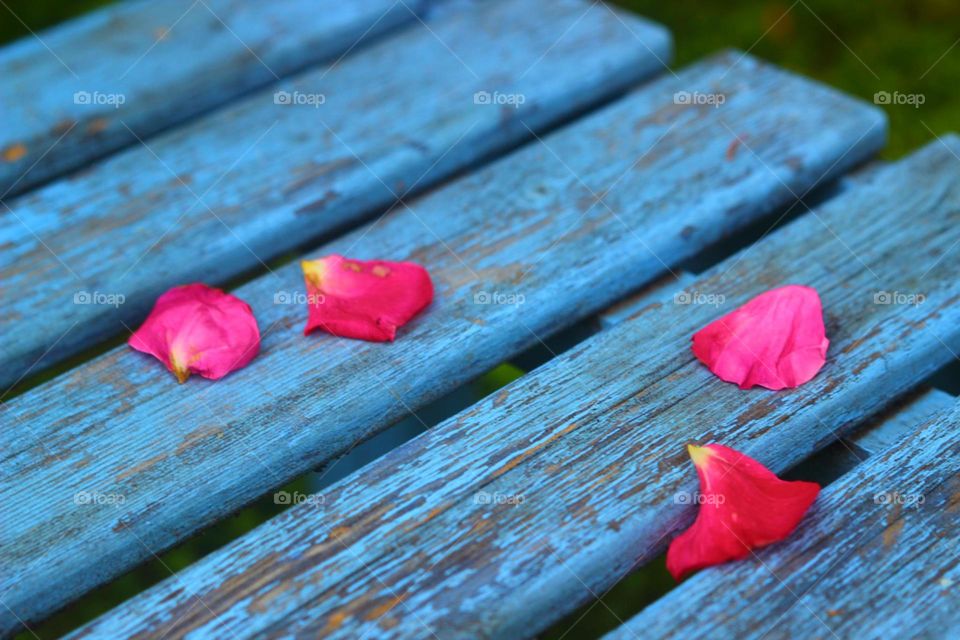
<point x="199" y="329"/>
<point x="743" y="506"/>
<point x="364" y="299"/>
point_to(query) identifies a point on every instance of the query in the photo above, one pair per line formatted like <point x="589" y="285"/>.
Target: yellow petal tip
<point x="699" y="455"/>
<point x="313" y="271"/>
<point x="177" y="366"/>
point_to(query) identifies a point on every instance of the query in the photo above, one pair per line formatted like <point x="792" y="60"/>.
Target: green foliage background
<point x="909" y="46"/>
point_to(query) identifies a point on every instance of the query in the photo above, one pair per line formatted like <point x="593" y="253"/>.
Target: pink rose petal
<point x="364" y="299"/>
<point x="199" y="329"/>
<point x="743" y="506"/>
<point x="775" y="340"/>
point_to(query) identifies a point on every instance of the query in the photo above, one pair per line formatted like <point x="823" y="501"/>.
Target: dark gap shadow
<point x="739" y="239"/>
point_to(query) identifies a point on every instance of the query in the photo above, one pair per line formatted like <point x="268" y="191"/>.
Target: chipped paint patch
<point x="14" y="152"/>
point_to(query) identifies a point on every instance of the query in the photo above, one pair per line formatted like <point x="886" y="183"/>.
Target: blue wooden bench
<point x="99" y="83"/>
<point x="539" y="149"/>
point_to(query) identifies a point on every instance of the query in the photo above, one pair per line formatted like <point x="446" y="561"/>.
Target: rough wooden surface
<point x="530" y="225"/>
<point x="676" y="283"/>
<point x="224" y="195"/>
<point x="69" y="95"/>
<point x="876" y="558"/>
<point x="509" y="515"/>
<point x="881" y="436"/>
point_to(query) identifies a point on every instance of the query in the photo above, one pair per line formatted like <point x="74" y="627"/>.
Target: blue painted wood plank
<point x="881" y="436"/>
<point x="877" y="557"/>
<point x="512" y="513"/>
<point x="74" y="93"/>
<point x="676" y="283"/>
<point x="255" y="180"/>
<point x="529" y="225"/>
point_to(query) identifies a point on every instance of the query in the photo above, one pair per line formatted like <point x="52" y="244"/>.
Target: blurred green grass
<point x="908" y="46"/>
<point x="18" y="18"/>
<point x="858" y="47"/>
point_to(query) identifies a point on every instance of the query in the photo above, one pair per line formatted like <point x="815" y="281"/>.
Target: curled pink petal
<point x="776" y="340"/>
<point x="367" y="300"/>
<point x="199" y="329"/>
<point x="743" y="506"/>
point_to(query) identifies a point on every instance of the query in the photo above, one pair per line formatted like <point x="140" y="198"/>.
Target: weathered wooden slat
<point x="529" y="225"/>
<point x="678" y="282"/>
<point x="505" y="517"/>
<point x="231" y="191"/>
<point x="69" y="95"/>
<point x="877" y="557"/>
<point x="881" y="436"/>
<point x="675" y="282"/>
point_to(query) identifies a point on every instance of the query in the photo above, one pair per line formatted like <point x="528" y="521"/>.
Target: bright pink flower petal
<point x="199" y="329"/>
<point x="776" y="340"/>
<point x="743" y="506"/>
<point x="367" y="300"/>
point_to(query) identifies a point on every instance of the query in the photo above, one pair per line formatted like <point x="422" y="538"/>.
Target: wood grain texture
<point x="529" y="225"/>
<point x="167" y="61"/>
<point x="879" y="437"/>
<point x="876" y="558"/>
<point x="675" y="283"/>
<point x="678" y="282"/>
<point x="511" y="514"/>
<point x="226" y="194"/>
